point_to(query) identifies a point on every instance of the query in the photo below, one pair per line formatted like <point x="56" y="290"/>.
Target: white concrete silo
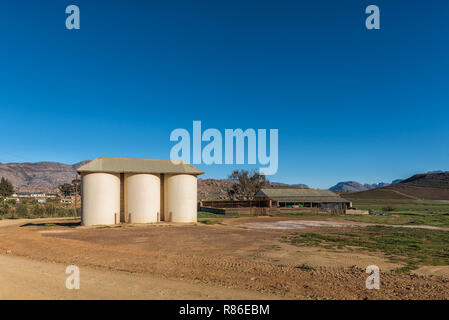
<point x="142" y="197"/>
<point x="181" y="198"/>
<point x="100" y="198"/>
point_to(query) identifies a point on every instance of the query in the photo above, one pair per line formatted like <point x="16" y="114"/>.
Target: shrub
<point x="21" y="210"/>
<point x="50" y="210"/>
<point x="38" y="211"/>
<point x="4" y="209"/>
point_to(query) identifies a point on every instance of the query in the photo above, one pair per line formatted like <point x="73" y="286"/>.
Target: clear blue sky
<point x="350" y="104"/>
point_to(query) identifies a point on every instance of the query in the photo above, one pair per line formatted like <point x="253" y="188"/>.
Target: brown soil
<point x="252" y="263"/>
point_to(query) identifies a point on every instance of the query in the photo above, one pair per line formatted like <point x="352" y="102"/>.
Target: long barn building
<point x="115" y="190"/>
<point x="312" y="198"/>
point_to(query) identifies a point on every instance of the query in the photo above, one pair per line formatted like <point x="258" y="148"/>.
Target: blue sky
<point x="350" y="104"/>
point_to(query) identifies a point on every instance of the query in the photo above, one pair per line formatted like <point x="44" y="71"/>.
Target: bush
<point x="50" y="210"/>
<point x="4" y="209"/>
<point x="38" y="211"/>
<point x="22" y="210"/>
<point x="389" y="208"/>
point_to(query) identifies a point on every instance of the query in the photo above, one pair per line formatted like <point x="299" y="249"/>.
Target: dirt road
<point x="168" y="261"/>
<point x="22" y="278"/>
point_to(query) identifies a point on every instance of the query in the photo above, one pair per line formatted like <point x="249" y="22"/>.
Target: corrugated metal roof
<point x="292" y="192"/>
<point x="324" y="200"/>
<point x="129" y="165"/>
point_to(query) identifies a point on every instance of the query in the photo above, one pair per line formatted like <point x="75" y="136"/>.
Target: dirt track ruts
<point x="153" y="251"/>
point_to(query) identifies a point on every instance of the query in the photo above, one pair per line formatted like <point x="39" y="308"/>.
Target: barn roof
<point x="323" y="200"/>
<point x="296" y="193"/>
<point x="130" y="165"/>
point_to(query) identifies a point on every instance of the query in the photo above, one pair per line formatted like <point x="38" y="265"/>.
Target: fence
<point x="236" y="204"/>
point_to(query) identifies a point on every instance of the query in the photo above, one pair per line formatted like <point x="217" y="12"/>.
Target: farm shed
<point x="308" y="198"/>
<point x="115" y="190"/>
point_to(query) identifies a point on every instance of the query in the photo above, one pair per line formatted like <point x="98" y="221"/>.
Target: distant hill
<point x="47" y="176"/>
<point x="437" y="179"/>
<point x="397" y="181"/>
<point x="39" y="176"/>
<point x="280" y="184"/>
<point x="426" y="186"/>
<point x="217" y="189"/>
<point x="213" y="189"/>
<point x="354" y="186"/>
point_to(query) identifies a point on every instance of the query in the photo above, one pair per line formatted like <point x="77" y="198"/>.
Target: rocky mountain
<point x="280" y="184"/>
<point x="425" y="186"/>
<point x="213" y="189"/>
<point x="217" y="189"/>
<point x="47" y="176"/>
<point x="39" y="176"/>
<point x="435" y="179"/>
<point x="354" y="186"/>
<point x="428" y="179"/>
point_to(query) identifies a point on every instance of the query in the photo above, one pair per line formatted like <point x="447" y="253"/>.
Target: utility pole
<point x="76" y="191"/>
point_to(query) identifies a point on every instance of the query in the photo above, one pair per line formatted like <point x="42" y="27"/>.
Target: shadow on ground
<point x="60" y="224"/>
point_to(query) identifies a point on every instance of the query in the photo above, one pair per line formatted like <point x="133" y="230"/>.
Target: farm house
<point x="115" y="190"/>
<point x="308" y="198"/>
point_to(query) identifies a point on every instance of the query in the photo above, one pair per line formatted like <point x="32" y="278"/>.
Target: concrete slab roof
<point x="322" y="200"/>
<point x="295" y="193"/>
<point x="130" y="165"/>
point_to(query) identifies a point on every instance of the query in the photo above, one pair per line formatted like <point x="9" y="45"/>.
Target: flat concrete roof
<point x="131" y="165"/>
<point x="322" y="200"/>
<point x="295" y="193"/>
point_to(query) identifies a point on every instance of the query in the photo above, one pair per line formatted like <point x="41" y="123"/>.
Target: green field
<point x="409" y="218"/>
<point x="414" y="247"/>
<point x="401" y="212"/>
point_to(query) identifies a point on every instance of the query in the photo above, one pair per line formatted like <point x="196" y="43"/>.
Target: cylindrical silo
<point x="180" y="194"/>
<point x="100" y="198"/>
<point x="143" y="197"/>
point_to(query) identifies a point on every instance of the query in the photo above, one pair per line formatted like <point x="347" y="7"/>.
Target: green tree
<point x="4" y="209"/>
<point x="50" y="210"/>
<point x="6" y="187"/>
<point x="38" y="211"/>
<point x="246" y="184"/>
<point x="22" y="210"/>
<point x="67" y="189"/>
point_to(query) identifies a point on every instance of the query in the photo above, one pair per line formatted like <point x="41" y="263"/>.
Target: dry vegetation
<point x="226" y="253"/>
<point x="30" y="208"/>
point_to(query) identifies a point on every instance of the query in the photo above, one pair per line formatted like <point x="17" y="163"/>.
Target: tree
<point x="21" y="210"/>
<point x="6" y="188"/>
<point x="66" y="189"/>
<point x="4" y="209"/>
<point x="246" y="184"/>
<point x="77" y="185"/>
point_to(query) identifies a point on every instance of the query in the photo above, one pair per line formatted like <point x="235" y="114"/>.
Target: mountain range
<point x="39" y="176"/>
<point x="425" y="186"/>
<point x="354" y="186"/>
<point x="47" y="176"/>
